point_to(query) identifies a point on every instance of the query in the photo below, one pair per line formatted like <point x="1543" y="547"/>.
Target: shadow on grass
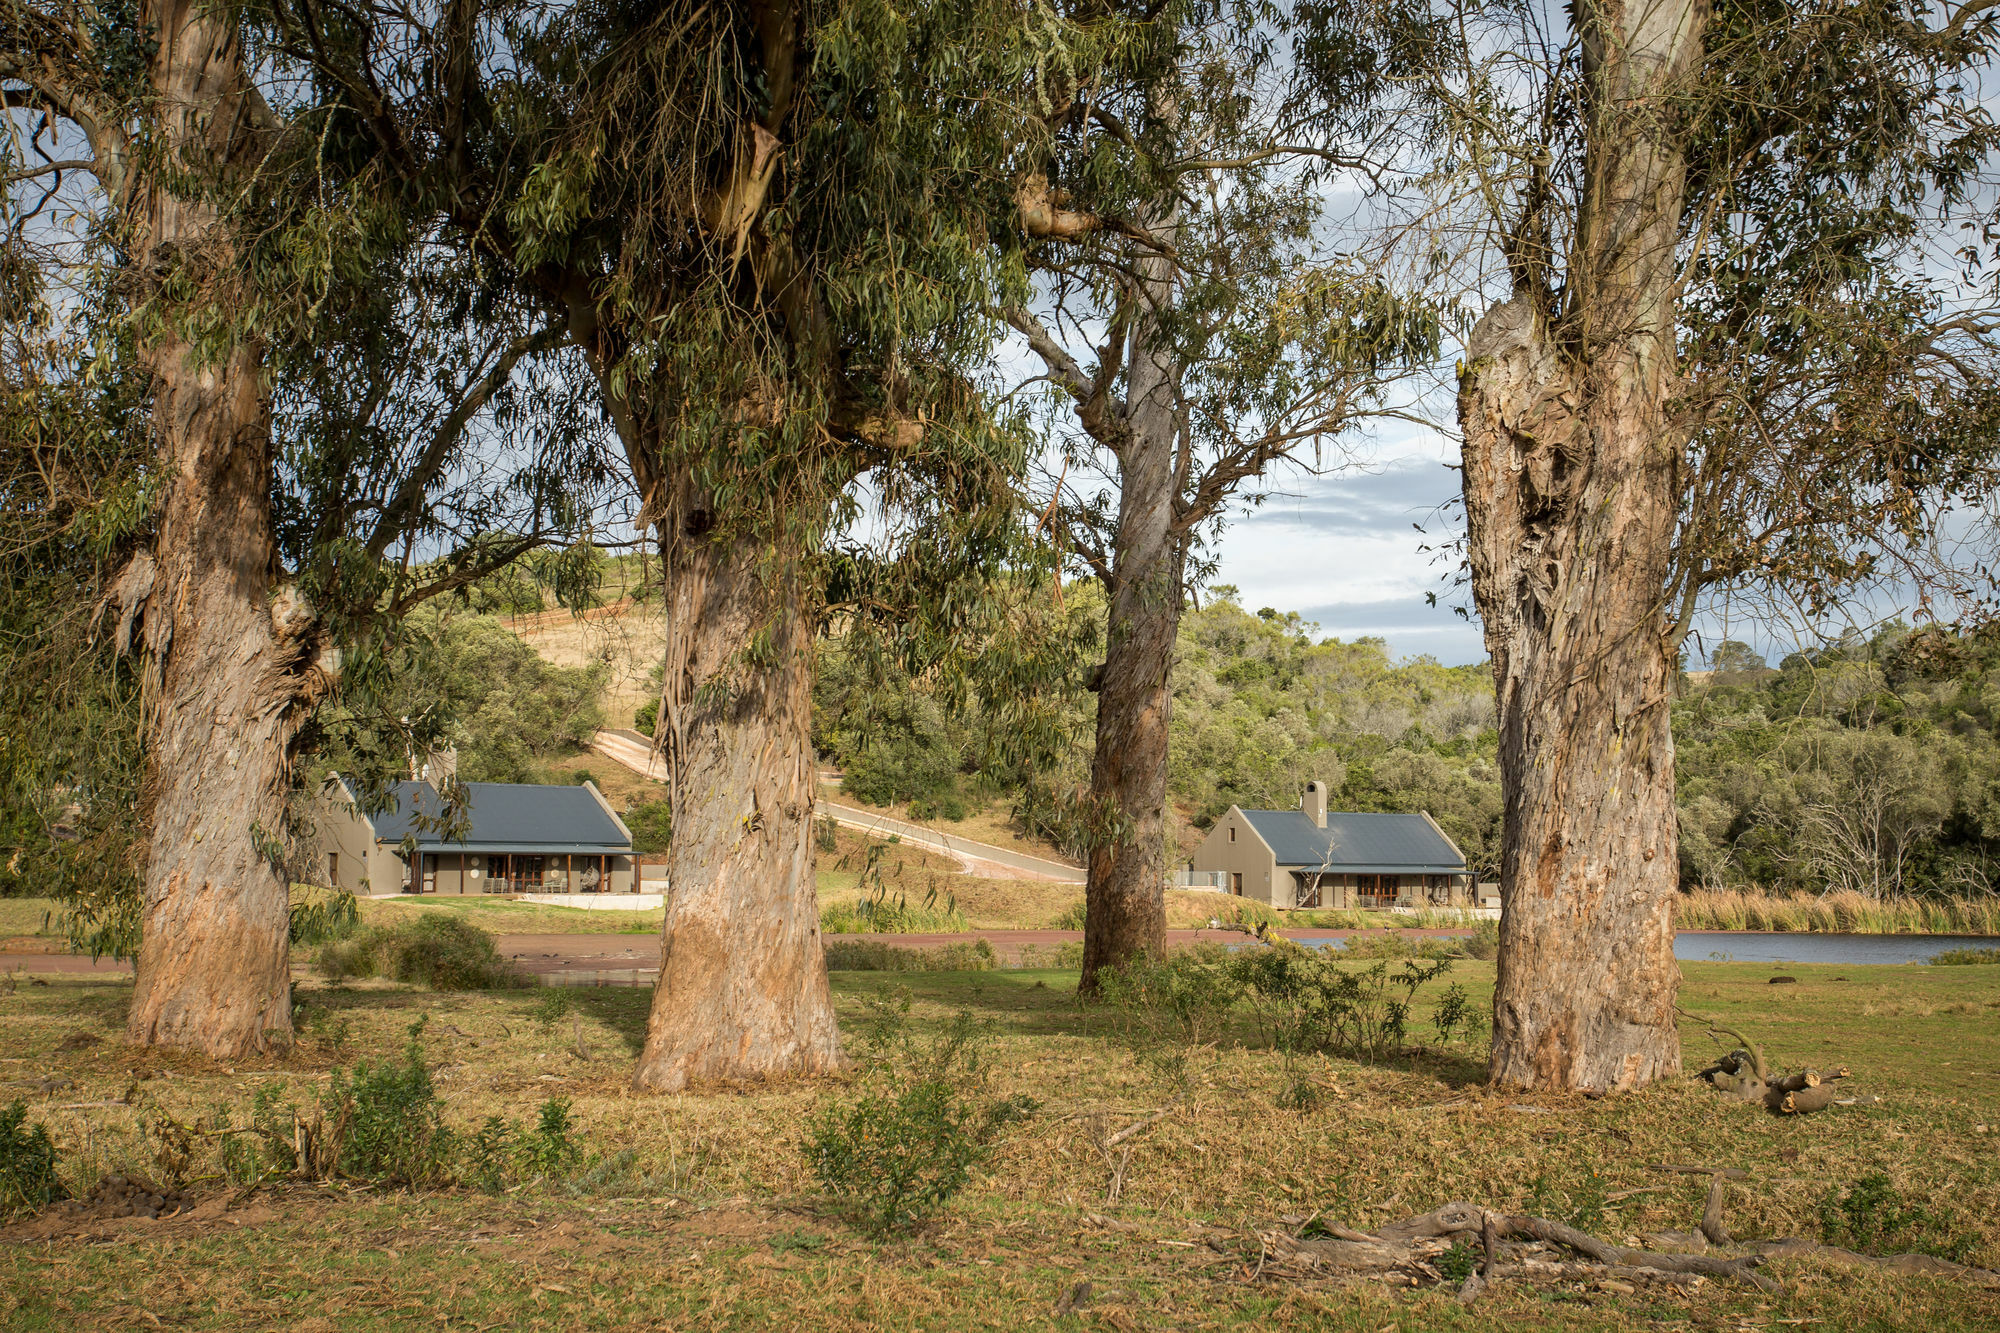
<point x="622" y="1009"/>
<point x="1030" y="1003"/>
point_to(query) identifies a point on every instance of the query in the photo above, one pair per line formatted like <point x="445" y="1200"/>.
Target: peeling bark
<point x="1571" y="476"/>
<point x="743" y="989"/>
<point x="1125" y="912"/>
<point x="232" y="655"/>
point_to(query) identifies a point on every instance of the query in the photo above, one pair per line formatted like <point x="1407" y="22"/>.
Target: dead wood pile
<point x="1746" y="1075"/>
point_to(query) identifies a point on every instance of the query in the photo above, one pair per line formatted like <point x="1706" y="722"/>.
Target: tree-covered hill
<point x="1870" y="764"/>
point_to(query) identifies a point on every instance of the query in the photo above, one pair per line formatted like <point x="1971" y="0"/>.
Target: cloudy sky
<point x="1344" y="549"/>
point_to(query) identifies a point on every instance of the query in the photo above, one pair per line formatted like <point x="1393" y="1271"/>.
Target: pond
<point x="1755" y="946"/>
<point x="1749" y="946"/>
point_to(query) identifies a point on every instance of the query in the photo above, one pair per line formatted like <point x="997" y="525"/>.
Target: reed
<point x="1840" y="912"/>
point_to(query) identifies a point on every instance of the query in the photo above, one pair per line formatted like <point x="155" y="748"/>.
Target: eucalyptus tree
<point x="766" y="228"/>
<point x="230" y="258"/>
<point x="1727" y="348"/>
<point x="1201" y="330"/>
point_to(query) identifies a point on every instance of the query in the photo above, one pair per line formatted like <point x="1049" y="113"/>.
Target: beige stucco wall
<point x="1248" y="855"/>
<point x="339" y="828"/>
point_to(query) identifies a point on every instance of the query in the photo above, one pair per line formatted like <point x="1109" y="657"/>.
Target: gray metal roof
<point x="506" y="817"/>
<point x="1357" y="843"/>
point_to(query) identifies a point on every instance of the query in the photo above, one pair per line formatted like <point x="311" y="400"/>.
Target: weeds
<point x="28" y="1178"/>
<point x="389" y="1126"/>
<point x="552" y="1150"/>
<point x="1309" y="1003"/>
<point x="907" y="1144"/>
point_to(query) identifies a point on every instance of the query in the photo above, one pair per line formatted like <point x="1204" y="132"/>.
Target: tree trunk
<point x="1571" y="467"/>
<point x="1125" y="904"/>
<point x="743" y="991"/>
<point x="232" y="664"/>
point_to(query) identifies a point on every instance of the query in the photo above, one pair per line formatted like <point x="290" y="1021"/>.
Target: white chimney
<point x="1314" y="804"/>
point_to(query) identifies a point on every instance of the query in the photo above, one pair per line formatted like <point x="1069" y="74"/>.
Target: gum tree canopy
<point x="246" y="284"/>
<point x="1202" y="324"/>
<point x="765" y="225"/>
<point x="1736" y="346"/>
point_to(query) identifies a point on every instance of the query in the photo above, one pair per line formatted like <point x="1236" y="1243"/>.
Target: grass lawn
<point x="709" y="1217"/>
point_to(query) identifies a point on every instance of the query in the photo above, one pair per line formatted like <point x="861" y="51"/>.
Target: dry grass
<point x="1844" y="912"/>
<point x="712" y="1224"/>
<point x="627" y="641"/>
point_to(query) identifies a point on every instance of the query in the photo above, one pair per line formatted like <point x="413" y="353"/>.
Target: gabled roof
<point x="505" y="817"/>
<point x="1363" y="843"/>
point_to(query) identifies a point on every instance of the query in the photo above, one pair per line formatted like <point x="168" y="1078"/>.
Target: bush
<point x="1071" y="917"/>
<point x="436" y="949"/>
<point x="385" y="1124"/>
<point x="875" y="956"/>
<point x="1310" y="1003"/>
<point x="1183" y="997"/>
<point x="907" y="1144"/>
<point x="387" y="1120"/>
<point x="1870" y="1215"/>
<point x="647" y="718"/>
<point x="28" y="1178"/>
<point x="1067" y="956"/>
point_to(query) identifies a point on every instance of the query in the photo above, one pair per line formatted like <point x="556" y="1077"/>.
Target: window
<point x="1232" y="833"/>
<point x="333" y="870"/>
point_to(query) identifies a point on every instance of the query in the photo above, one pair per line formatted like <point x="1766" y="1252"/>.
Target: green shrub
<point x="647" y="718"/>
<point x="1071" y="917"/>
<point x="906" y="1145"/>
<point x="1311" y="1003"/>
<point x="876" y="956"/>
<point x="1184" y="997"/>
<point x="826" y="833"/>
<point x="344" y="960"/>
<point x="388" y="1120"/>
<point x="1870" y="1215"/>
<point x="551" y="1150"/>
<point x="440" y="950"/>
<point x="1965" y="957"/>
<point x="28" y="1178"/>
<point x="553" y="1007"/>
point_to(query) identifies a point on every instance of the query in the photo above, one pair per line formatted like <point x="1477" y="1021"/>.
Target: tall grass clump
<point x="890" y="917"/>
<point x="1840" y="912"/>
<point x="434" y="949"/>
